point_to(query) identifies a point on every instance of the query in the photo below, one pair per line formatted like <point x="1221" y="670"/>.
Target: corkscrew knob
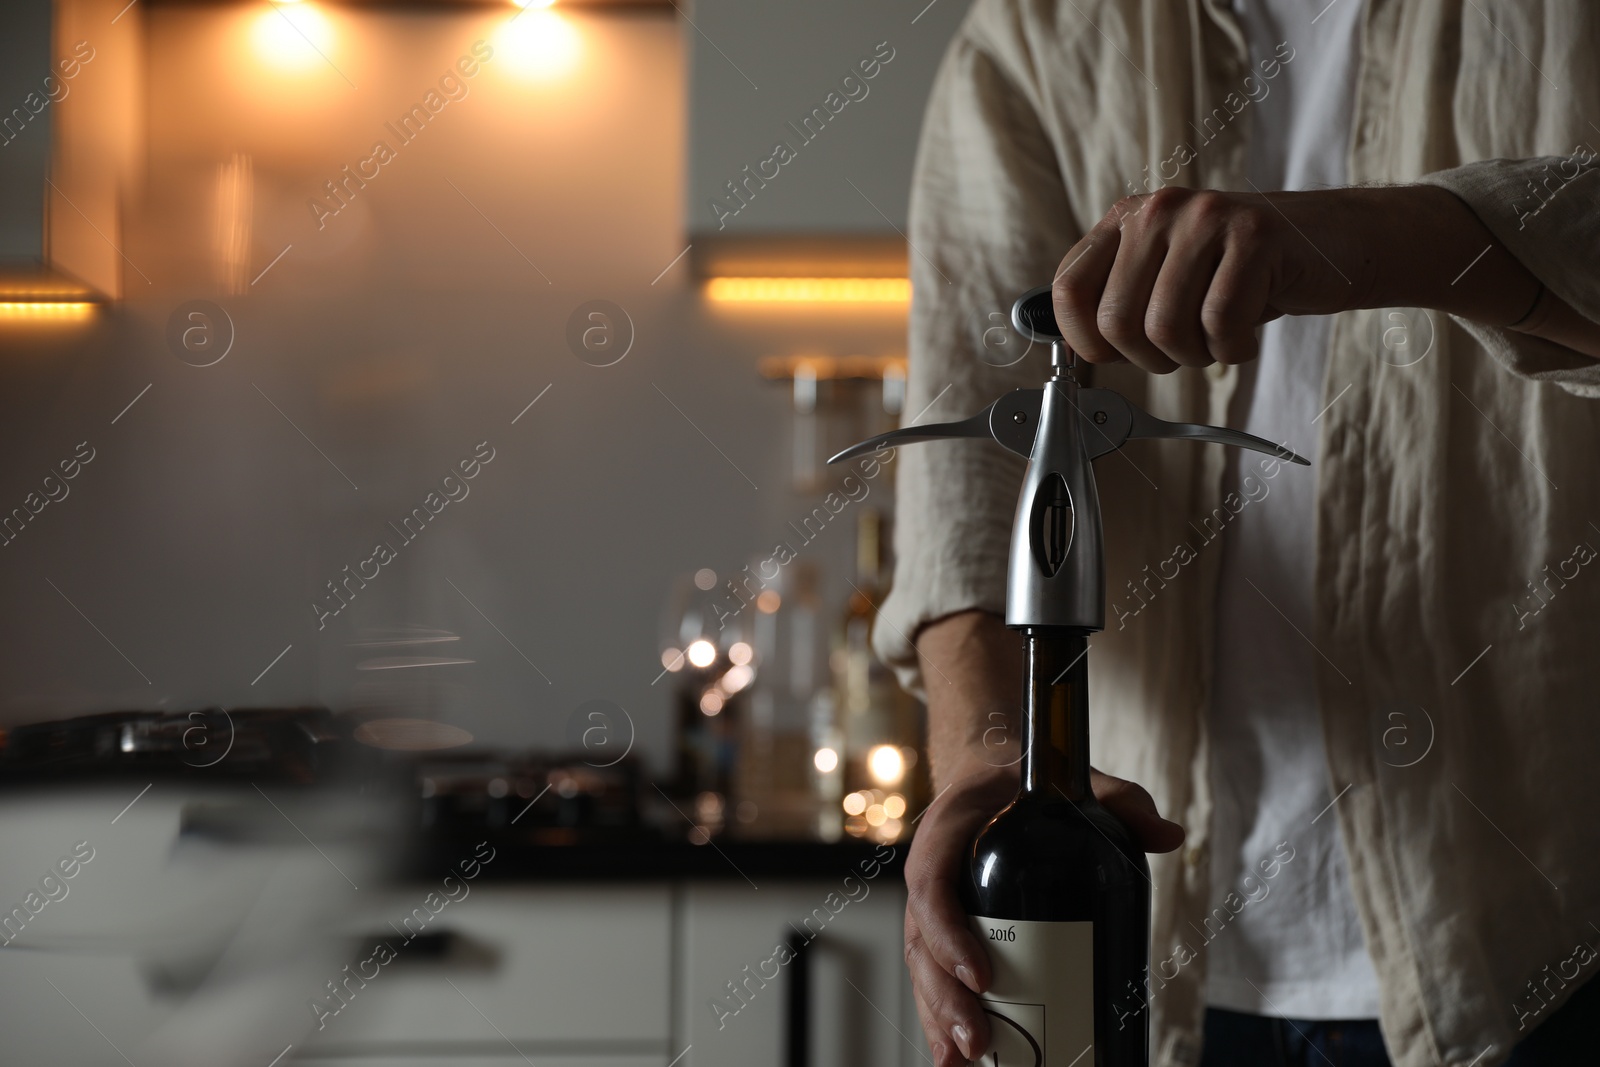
<point x="1034" y="316"/>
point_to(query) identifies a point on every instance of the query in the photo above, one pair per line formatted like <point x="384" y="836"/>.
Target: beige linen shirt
<point x="1458" y="514"/>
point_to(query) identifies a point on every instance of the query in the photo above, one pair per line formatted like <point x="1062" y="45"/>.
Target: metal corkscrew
<point x="1057" y="566"/>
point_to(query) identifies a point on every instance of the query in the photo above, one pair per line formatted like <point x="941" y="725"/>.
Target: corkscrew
<point x="1057" y="567"/>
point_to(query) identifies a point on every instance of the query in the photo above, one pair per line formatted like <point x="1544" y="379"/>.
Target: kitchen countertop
<point x="516" y="858"/>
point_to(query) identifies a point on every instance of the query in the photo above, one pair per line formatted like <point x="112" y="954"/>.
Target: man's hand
<point x="948" y="964"/>
<point x="1183" y="277"/>
<point x="972" y="666"/>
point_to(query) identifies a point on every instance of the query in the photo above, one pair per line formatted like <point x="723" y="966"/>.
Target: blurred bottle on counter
<point x="806" y="472"/>
<point x="711" y="656"/>
<point x="777" y="797"/>
<point x="880" y="725"/>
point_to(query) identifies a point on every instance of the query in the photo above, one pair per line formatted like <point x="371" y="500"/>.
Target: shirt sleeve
<point x="989" y="219"/>
<point x="1546" y="211"/>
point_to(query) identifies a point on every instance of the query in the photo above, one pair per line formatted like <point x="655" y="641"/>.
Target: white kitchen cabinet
<point x="855" y="989"/>
<point x="554" y="969"/>
<point x="603" y="975"/>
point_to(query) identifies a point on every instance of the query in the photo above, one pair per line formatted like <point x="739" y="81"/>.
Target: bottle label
<point x="1041" y="1002"/>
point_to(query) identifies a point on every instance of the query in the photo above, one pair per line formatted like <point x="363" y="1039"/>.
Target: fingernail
<point x="968" y="979"/>
<point x="963" y="1041"/>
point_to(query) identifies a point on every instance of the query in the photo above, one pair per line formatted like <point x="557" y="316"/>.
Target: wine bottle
<point x="1058" y="891"/>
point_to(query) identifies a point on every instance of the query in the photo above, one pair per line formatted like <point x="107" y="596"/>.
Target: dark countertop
<point x="642" y="858"/>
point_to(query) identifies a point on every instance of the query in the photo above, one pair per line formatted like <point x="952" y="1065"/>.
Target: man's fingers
<point x="1126" y="299"/>
<point x="948" y="1009"/>
<point x="1235" y="305"/>
<point x="1172" y="320"/>
<point x="1077" y="288"/>
<point x="1137" y="810"/>
<point x="944" y="1053"/>
<point x="942" y="926"/>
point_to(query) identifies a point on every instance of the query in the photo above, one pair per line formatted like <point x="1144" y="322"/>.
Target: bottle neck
<point x="1056" y="723"/>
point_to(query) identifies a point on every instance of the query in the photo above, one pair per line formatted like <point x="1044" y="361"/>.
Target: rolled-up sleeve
<point x="1546" y="211"/>
<point x="989" y="220"/>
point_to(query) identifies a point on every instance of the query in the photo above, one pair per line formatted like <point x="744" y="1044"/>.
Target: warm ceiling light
<point x="702" y="653"/>
<point x="532" y="3"/>
<point x="50" y="310"/>
<point x="537" y="44"/>
<point x="294" y="36"/>
<point x="809" y="290"/>
<point x="826" y="760"/>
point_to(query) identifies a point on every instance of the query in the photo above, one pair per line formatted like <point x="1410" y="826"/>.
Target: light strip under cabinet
<point x="50" y="310"/>
<point x="809" y="290"/>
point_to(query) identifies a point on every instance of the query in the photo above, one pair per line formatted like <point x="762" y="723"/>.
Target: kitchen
<point x="475" y="591"/>
<point x="431" y="403"/>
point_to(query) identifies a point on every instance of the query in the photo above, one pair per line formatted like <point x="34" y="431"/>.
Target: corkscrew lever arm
<point x="1115" y="420"/>
<point x="1111" y="420"/>
<point x="1011" y="421"/>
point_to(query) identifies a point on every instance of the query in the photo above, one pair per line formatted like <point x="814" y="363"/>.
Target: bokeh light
<point x="886" y="764"/>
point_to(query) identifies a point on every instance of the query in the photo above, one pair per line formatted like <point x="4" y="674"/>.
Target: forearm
<point x="1431" y="251"/>
<point x="972" y="668"/>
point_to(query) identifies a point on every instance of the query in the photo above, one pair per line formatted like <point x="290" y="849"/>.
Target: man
<point x="1378" y="673"/>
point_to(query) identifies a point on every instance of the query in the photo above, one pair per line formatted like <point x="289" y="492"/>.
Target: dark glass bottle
<point x="1059" y="892"/>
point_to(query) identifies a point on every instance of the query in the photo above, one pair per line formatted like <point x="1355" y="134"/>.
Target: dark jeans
<point x="1569" y="1037"/>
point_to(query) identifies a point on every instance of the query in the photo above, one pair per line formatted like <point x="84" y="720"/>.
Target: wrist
<point x="1428" y="249"/>
<point x="1004" y="766"/>
<point x="972" y="669"/>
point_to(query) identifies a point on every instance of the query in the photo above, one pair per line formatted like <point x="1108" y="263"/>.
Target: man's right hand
<point x="972" y="668"/>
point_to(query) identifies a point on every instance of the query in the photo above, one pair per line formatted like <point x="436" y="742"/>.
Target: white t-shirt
<point x="1295" y="948"/>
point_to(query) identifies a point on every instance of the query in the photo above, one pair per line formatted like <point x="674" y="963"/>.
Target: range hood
<point x="69" y="133"/>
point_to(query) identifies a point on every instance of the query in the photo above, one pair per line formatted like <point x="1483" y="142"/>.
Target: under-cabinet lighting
<point x="53" y="310"/>
<point x="809" y="290"/>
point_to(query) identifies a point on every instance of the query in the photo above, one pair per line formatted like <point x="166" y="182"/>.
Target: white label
<point x="1041" y="1002"/>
